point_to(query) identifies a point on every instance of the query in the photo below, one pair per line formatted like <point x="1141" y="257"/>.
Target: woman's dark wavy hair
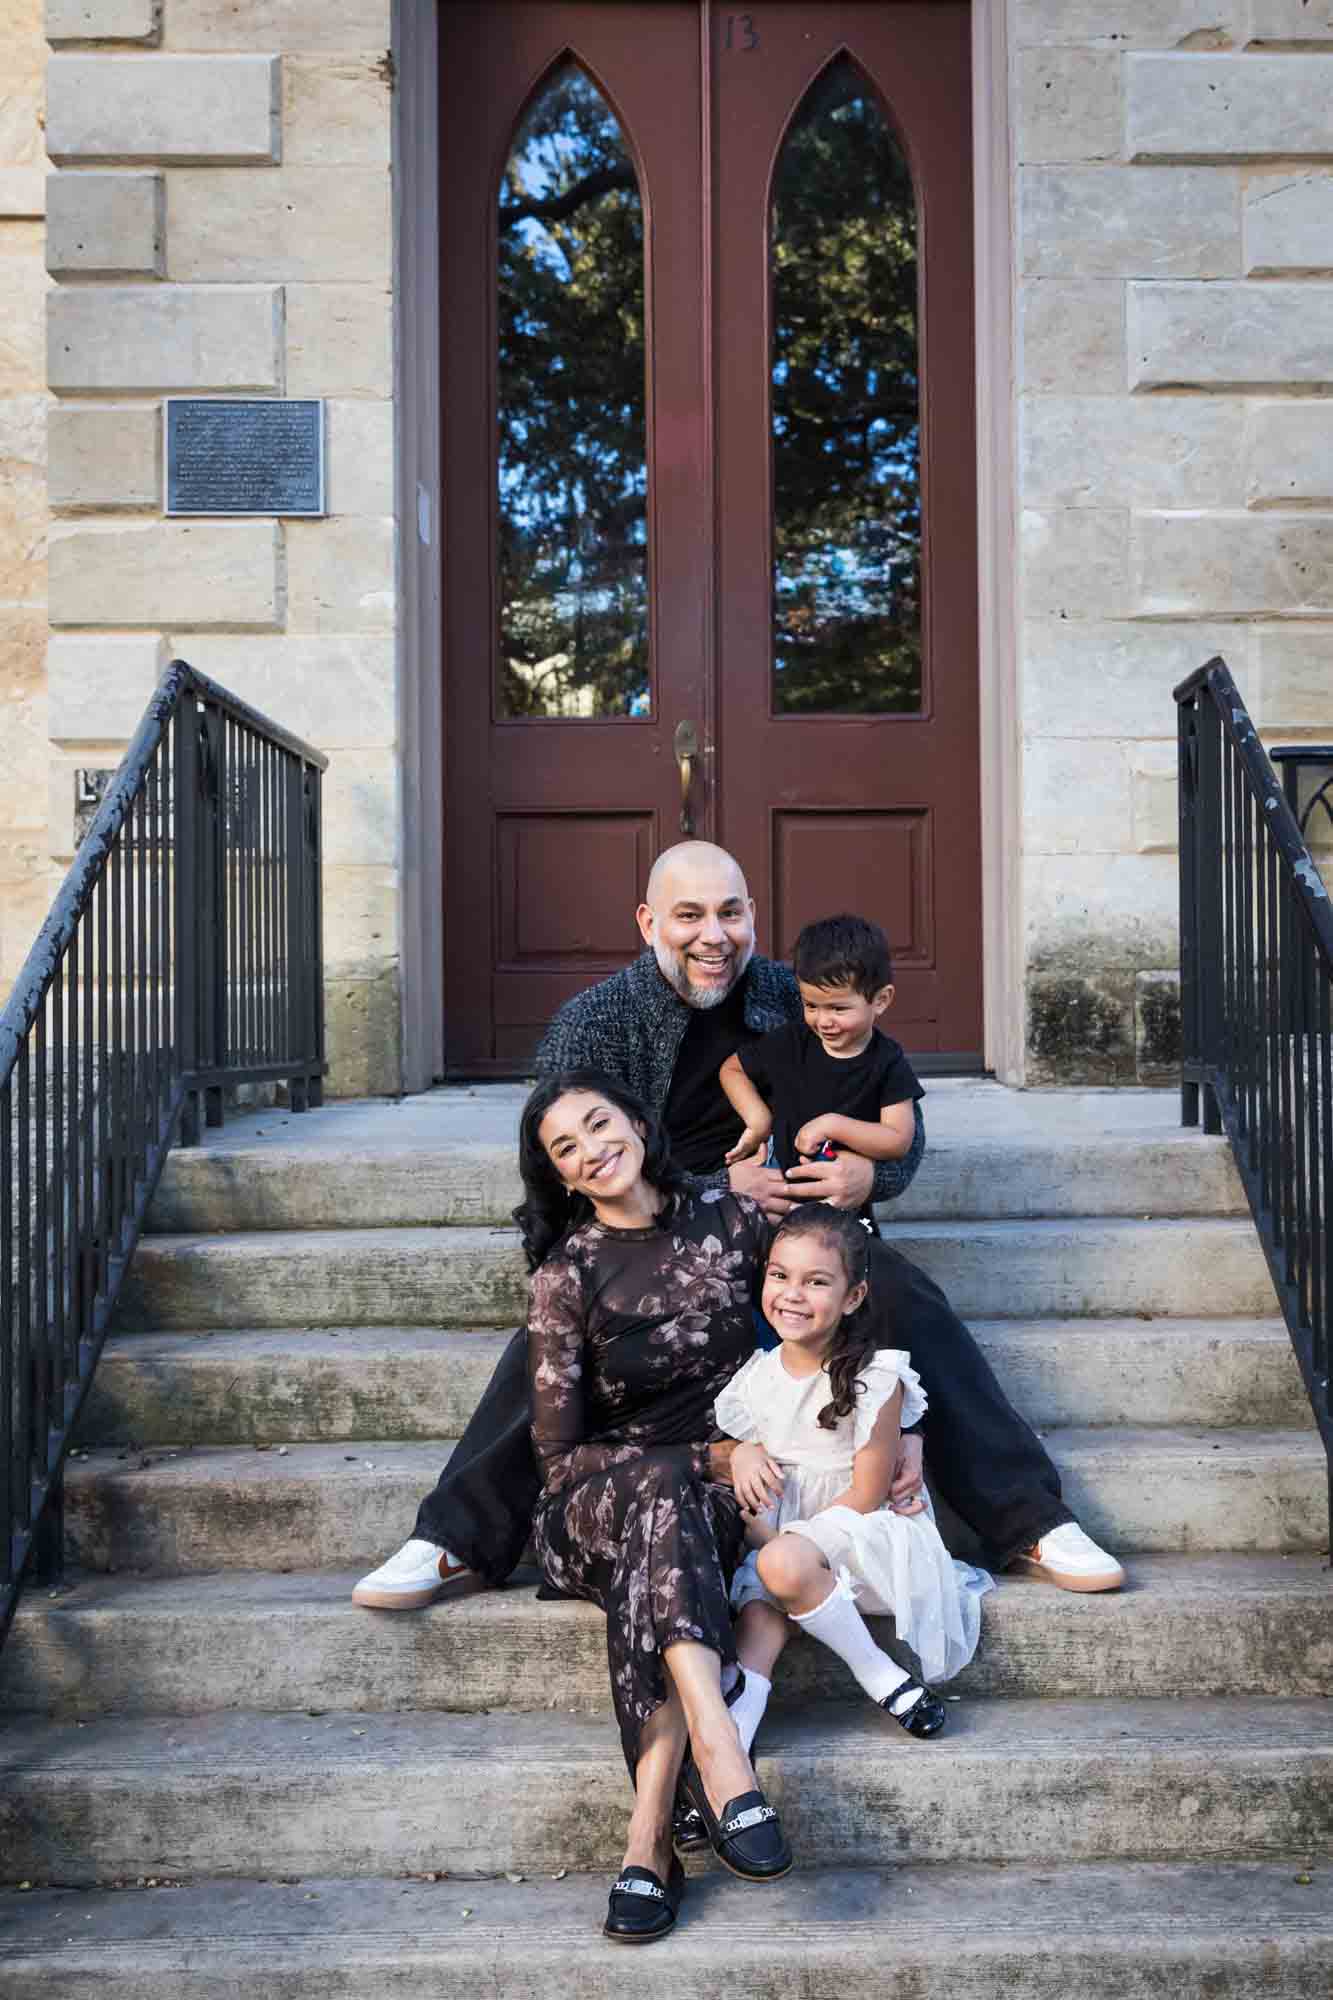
<point x="855" y="1337"/>
<point x="548" y="1210"/>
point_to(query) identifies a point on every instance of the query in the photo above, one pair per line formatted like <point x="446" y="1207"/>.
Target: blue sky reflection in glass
<point x="845" y="426"/>
<point x="572" y="476"/>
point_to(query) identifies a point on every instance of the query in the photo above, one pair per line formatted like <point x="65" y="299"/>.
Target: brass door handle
<point x="686" y="743"/>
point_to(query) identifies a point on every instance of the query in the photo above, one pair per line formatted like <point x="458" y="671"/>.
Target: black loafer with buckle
<point x="927" y="1715"/>
<point x="641" y="1908"/>
<point x="746" y="1836"/>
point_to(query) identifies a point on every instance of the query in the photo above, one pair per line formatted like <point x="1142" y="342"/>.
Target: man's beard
<point x="674" y="968"/>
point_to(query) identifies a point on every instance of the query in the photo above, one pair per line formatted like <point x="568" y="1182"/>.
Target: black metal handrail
<point x="181" y="957"/>
<point x="1256" y="988"/>
<point x="1317" y="758"/>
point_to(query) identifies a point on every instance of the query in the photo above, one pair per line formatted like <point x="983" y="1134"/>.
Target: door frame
<point x="421" y="582"/>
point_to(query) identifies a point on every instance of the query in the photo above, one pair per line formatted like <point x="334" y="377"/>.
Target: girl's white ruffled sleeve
<point x="886" y="1368"/>
<point x="734" y="1411"/>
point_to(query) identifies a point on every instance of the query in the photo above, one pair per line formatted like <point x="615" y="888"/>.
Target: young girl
<point x="818" y="1417"/>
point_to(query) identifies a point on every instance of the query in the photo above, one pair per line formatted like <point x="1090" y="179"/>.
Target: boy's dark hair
<point x="843" y="951"/>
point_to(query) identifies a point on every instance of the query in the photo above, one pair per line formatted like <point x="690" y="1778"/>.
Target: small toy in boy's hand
<point x="814" y="1142"/>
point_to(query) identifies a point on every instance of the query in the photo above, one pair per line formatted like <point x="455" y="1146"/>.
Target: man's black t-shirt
<point x="799" y="1081"/>
<point x="700" y="1122"/>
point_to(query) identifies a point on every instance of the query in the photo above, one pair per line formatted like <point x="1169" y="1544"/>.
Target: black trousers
<point x="985" y="1462"/>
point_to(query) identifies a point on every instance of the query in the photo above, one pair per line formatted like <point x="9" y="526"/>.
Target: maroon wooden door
<point x="795" y="164"/>
<point x="873" y="812"/>
<point x="553" y="819"/>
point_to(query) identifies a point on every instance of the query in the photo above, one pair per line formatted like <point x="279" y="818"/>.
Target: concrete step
<point x="272" y="1184"/>
<point x="412" y="1382"/>
<point x="360" y="1794"/>
<point x="1102" y="1931"/>
<point x="1186" y="1625"/>
<point x="321" y="1505"/>
<point x="339" y="1382"/>
<point x="474" y="1277"/>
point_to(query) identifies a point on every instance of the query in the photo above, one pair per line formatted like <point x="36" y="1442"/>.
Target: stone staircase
<point x="218" y="1777"/>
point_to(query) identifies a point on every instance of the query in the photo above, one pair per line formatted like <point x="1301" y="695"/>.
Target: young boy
<point x="836" y="1080"/>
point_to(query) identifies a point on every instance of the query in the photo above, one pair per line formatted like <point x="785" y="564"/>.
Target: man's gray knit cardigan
<point x="632" y="1026"/>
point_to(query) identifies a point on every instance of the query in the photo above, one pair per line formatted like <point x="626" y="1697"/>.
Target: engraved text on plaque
<point x="228" y="455"/>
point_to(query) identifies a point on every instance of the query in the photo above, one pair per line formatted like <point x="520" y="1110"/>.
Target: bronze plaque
<point x="244" y="455"/>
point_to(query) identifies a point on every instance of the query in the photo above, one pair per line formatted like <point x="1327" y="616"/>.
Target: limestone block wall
<point x="219" y="223"/>
<point x="1174" y="200"/>
<point x="24" y="864"/>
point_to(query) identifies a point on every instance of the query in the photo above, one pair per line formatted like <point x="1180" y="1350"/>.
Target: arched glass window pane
<point x="573" y="553"/>
<point x="846" y="448"/>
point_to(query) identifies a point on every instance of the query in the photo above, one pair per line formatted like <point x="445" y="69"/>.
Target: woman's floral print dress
<point x="631" y="1334"/>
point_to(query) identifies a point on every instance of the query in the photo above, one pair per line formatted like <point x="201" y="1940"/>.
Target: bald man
<point x="664" y="1026"/>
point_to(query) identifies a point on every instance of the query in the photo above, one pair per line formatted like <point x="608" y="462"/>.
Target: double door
<point x="709" y="490"/>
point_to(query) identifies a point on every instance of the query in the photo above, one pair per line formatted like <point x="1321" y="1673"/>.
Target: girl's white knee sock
<point x="747" y="1711"/>
<point x="837" y="1624"/>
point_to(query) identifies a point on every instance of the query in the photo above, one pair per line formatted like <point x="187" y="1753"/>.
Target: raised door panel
<point x="881" y="862"/>
<point x="566" y="889"/>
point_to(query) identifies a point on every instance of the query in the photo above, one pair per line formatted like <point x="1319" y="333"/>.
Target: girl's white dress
<point x="892" y="1562"/>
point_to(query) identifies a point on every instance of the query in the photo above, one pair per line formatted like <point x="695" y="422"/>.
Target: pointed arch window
<point x="572" y="413"/>
<point x="845" y="409"/>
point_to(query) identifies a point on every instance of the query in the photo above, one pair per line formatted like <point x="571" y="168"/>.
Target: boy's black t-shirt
<point x="799" y="1081"/>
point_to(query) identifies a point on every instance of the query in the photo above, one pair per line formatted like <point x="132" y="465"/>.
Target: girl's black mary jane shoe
<point x="641" y="1908"/>
<point x="746" y="1836"/>
<point x="689" y="1835"/>
<point x="927" y="1715"/>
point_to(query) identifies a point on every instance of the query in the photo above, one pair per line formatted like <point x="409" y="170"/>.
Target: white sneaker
<point x="1071" y="1559"/>
<point x="415" y="1576"/>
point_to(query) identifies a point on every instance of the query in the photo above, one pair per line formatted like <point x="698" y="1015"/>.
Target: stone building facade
<point x="1154" y="185"/>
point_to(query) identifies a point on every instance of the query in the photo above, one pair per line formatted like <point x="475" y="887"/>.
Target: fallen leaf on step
<point x="512" y="1878"/>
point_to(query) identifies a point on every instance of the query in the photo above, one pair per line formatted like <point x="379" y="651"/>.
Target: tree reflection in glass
<point x="573" y="555"/>
<point x="846" y="477"/>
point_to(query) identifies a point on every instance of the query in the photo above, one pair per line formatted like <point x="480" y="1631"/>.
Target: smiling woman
<point x="597" y="1149"/>
<point x="640" y="1312"/>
